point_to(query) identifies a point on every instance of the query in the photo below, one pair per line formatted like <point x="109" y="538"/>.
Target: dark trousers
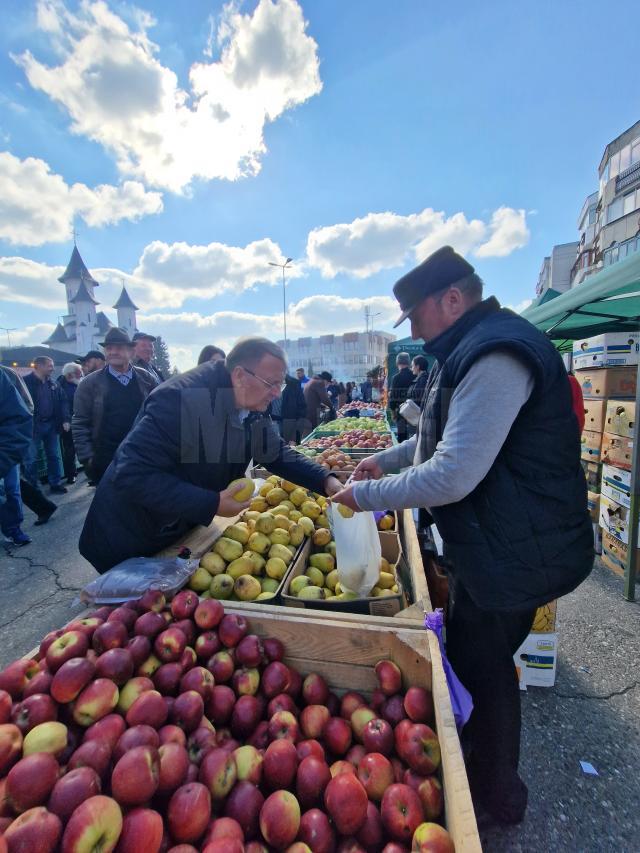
<point x="35" y="499"/>
<point x="403" y="428"/>
<point x="480" y="647"/>
<point x="11" y="507"/>
<point x="68" y="455"/>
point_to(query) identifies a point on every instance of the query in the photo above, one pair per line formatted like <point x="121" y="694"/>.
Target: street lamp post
<point x="284" y="294"/>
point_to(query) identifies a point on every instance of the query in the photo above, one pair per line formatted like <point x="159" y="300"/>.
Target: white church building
<point x="82" y="327"/>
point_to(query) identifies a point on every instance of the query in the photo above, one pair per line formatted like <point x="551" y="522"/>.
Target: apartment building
<point x="555" y="272"/>
<point x="619" y="202"/>
<point x="347" y="357"/>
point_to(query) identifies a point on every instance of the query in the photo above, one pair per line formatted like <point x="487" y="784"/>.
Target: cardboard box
<point x="614" y="554"/>
<point x="597" y="538"/>
<point x="620" y="417"/>
<point x="544" y="621"/>
<point x="616" y="484"/>
<point x="609" y="350"/>
<point x="614" y="518"/>
<point x="590" y="445"/>
<point x="608" y="382"/>
<point x="594" y="413"/>
<point x="536" y="660"/>
<point x="593" y="504"/>
<point x="617" y="450"/>
<point x="593" y="474"/>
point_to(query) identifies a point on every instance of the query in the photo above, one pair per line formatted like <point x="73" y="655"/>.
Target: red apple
<point x="312" y="778"/>
<point x="116" y="664"/>
<point x="136" y="776"/>
<point x="346" y="802"/>
<point x="232" y="629"/>
<point x="224" y="827"/>
<point x="220" y="705"/>
<point x="249" y="651"/>
<point x="187" y="710"/>
<point x="109" y="729"/>
<point x="169" y="645"/>
<point x="149" y="709"/>
<point x="152" y="599"/>
<point x="189" y="659"/>
<point x="284" y="725"/>
<point x="317" y="832"/>
<point x="224" y="845"/>
<point x="246" y="682"/>
<point x="429" y="790"/>
<point x="31" y="780"/>
<point x="371" y="834"/>
<point x="10" y="746"/>
<point x="174" y="764"/>
<point x="377" y="700"/>
<point x="149" y="666"/>
<point x="243" y="805"/>
<point x="221" y="666"/>
<point x="98" y="699"/>
<point x="73" y="788"/>
<point x="184" y="604"/>
<point x="248" y="764"/>
<point x="418" y="704"/>
<point x="201" y="741"/>
<point x="282" y="702"/>
<point x="246" y="716"/>
<point x="125" y="615"/>
<point x="150" y="624"/>
<point x="280" y="764"/>
<point x="35" y="831"/>
<point x="92" y="754"/>
<point x="312" y="747"/>
<point x="133" y="738"/>
<point x="359" y="719"/>
<point x="218" y="773"/>
<point x="350" y="845"/>
<point x="140" y="648"/>
<point x="350" y="701"/>
<point x="18" y="674"/>
<point x="45" y="642"/>
<point x="5" y="707"/>
<point x="172" y="734"/>
<point x="72" y="644"/>
<point x="273" y="649"/>
<point x="314" y="689"/>
<point x="142" y="829"/>
<point x="255" y="847"/>
<point x="401" y="812"/>
<point x="88" y="625"/>
<point x="96" y="824"/>
<point x="110" y="635"/>
<point x="260" y="736"/>
<point x="337" y="735"/>
<point x="71" y="678"/>
<point x="275" y="679"/>
<point x="295" y="686"/>
<point x="40" y="683"/>
<point x="189" y="812"/>
<point x="280" y="819"/>
<point x="377" y="736"/>
<point x="432" y="838"/>
<point x="389" y="677"/>
<point x="339" y="767"/>
<point x="333" y="704"/>
<point x="393" y="710"/>
<point x="418" y="745"/>
<point x="166" y="678"/>
<point x="35" y="709"/>
<point x="208" y="614"/>
<point x="198" y="679"/>
<point x="356" y="754"/>
<point x="207" y="645"/>
<point x="376" y="774"/>
<point x="313" y="720"/>
<point x="134" y="688"/>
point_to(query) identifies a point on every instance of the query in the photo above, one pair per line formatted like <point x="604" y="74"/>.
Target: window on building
<point x="614" y="165"/>
<point x="625" y="158"/>
<point x="614" y="210"/>
<point x="635" y="151"/>
<point x="629" y="203"/>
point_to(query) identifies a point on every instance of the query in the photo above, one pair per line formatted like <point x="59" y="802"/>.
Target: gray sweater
<point x="482" y="410"/>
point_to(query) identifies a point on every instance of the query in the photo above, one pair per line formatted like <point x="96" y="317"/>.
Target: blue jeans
<point x="11" y="516"/>
<point x="48" y="436"/>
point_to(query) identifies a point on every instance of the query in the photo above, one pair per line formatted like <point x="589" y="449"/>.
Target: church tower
<point x="126" y="313"/>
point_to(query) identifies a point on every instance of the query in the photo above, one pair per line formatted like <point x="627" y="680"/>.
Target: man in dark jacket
<point x="107" y="403"/>
<point x="51" y="416"/>
<point x="196" y="433"/>
<point x="143" y="355"/>
<point x="293" y="412"/>
<point x="316" y="396"/>
<point x="16" y="429"/>
<point x="497" y="462"/>
<point x="398" y="393"/>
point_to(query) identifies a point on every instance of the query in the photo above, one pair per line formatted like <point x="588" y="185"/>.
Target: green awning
<point x="607" y="301"/>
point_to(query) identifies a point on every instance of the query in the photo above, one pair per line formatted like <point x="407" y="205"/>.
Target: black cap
<point x="93" y="353"/>
<point x="115" y="336"/>
<point x="326" y="376"/>
<point x="439" y="271"/>
<point x="142" y="336"/>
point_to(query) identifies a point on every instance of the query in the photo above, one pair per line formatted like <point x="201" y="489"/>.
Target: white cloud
<point x="31" y="335"/>
<point x="380" y="241"/>
<point x="521" y="306"/>
<point x="119" y="94"/>
<point x="31" y="283"/>
<point x="37" y="206"/>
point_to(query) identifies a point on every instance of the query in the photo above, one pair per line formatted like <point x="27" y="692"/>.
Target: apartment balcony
<point x="627" y="178"/>
<point x="621" y="251"/>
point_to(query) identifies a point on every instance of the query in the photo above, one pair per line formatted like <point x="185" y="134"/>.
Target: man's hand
<point x="346" y="497"/>
<point x="368" y="469"/>
<point x="332" y="485"/>
<point x="228" y="505"/>
<point x="66" y="427"/>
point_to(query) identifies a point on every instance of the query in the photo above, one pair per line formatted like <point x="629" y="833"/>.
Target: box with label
<point x="536" y="660"/>
<point x="620" y="417"/>
<point x="544" y="622"/>
<point x="614" y="518"/>
<point x="590" y="445"/>
<point x="614" y="555"/>
<point x="616" y="484"/>
<point x="617" y="450"/>
<point x="608" y="382"/>
<point x="594" y="412"/>
<point x="609" y="350"/>
<point x="592" y="473"/>
<point x="593" y="504"/>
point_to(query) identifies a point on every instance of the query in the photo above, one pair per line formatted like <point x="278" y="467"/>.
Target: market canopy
<point x="607" y="301"/>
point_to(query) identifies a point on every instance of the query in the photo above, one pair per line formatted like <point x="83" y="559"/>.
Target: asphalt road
<point x="592" y="714"/>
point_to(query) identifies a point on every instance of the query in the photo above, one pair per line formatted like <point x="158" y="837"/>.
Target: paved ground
<point x="592" y="714"/>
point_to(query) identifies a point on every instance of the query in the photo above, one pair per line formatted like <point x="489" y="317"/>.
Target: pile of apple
<point x="344" y="424"/>
<point x="331" y="459"/>
<point x="353" y="439"/>
<point x="360" y="404"/>
<point x="155" y="727"/>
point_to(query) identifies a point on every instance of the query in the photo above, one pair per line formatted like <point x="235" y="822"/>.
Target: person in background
<point x="367" y="390"/>
<point x="316" y="396"/>
<point x="342" y="394"/>
<point x="356" y="393"/>
<point x="294" y="411"/>
<point x="398" y="393"/>
<point x="106" y="404"/>
<point x="16" y="430"/>
<point x="420" y="370"/>
<point x="51" y="416"/>
<point x="91" y="362"/>
<point x="143" y="355"/>
<point x="300" y="376"/>
<point x="578" y="400"/>
<point x="68" y="382"/>
<point x="211" y="353"/>
<point x="333" y="389"/>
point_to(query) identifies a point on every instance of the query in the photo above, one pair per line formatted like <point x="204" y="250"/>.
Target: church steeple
<point x="126" y="312"/>
<point x="76" y="270"/>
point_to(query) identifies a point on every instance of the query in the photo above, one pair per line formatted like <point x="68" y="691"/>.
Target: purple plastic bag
<point x="378" y="514"/>
<point x="461" y="701"/>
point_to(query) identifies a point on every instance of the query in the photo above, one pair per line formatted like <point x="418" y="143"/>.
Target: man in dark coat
<point x="497" y="463"/>
<point x="294" y="411"/>
<point x="51" y="416"/>
<point x="15" y="438"/>
<point x="68" y="382"/>
<point x="106" y="404"/>
<point x="398" y="393"/>
<point x="143" y="355"/>
<point x="196" y="433"/>
<point x="316" y="396"/>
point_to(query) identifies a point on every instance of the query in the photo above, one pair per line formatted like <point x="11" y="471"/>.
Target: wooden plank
<point x="413" y="556"/>
<point x="200" y="539"/>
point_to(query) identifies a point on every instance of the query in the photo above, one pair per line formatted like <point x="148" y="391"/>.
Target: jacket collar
<point x="442" y="346"/>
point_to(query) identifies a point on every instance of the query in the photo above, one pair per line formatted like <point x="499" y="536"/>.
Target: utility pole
<point x="283" y="267"/>
<point x="4" y="329"/>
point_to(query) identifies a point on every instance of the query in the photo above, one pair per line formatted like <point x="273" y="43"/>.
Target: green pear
<point x="247" y="588"/>
<point x="324" y="562"/>
<point x="311" y="593"/>
<point x="276" y="568"/>
<point x="241" y="566"/>
<point x="280" y="537"/>
<point x="307" y="525"/>
<point x="269" y="584"/>
<point x="213" y="563"/>
<point x="259" y="543"/>
<point x="281" y="551"/>
<point x="315" y="576"/>
<point x="221" y="587"/>
<point x="265" y="523"/>
<point x="296" y="534"/>
<point x="257" y="561"/>
<point x="299" y="583"/>
<point x="330" y="548"/>
<point x="239" y="532"/>
<point x="332" y="579"/>
<point x="228" y="549"/>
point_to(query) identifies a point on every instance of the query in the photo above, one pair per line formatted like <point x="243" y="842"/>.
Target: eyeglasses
<point x="270" y="385"/>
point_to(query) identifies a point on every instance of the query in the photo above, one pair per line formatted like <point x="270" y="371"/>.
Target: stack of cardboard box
<point x="606" y="367"/>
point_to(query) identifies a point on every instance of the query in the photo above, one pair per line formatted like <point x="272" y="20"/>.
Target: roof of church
<point x="58" y="336"/>
<point x="76" y="269"/>
<point x="83" y="295"/>
<point x="124" y="300"/>
<point x="103" y="322"/>
<point x="24" y="356"/>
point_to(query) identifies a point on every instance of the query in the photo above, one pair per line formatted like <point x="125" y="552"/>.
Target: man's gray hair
<point x="41" y="360"/>
<point x="403" y="358"/>
<point x="70" y="367"/>
<point x="249" y="352"/>
<point x="470" y="286"/>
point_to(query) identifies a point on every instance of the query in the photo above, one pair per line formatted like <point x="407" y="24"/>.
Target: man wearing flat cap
<point x="106" y="404"/>
<point x="143" y="355"/>
<point x="496" y="461"/>
<point x="91" y="362"/>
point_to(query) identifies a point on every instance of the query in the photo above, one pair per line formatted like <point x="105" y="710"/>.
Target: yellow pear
<point x="221" y="587"/>
<point x="375" y="592"/>
<point x="311" y="593"/>
<point x="283" y="522"/>
<point x="258" y="505"/>
<point x="298" y="497"/>
<point x="241" y="566"/>
<point x="386" y="580"/>
<point x="276" y="496"/>
<point x="295" y="515"/>
<point x="213" y="563"/>
<point x="281" y="510"/>
<point x="274" y="480"/>
<point x="265" y="488"/>
<point x="322" y="521"/>
<point x="239" y="532"/>
<point x="345" y="511"/>
<point x="251" y="515"/>
<point x="386" y="523"/>
<point x="307" y="525"/>
<point x="330" y="548"/>
<point x="276" y="568"/>
<point x="310" y="509"/>
<point x="281" y="551"/>
<point x="265" y="596"/>
<point x="298" y="583"/>
<point x="247" y="588"/>
<point x="247" y="489"/>
<point x="347" y="596"/>
<point x="259" y="542"/>
<point x="280" y="537"/>
<point x="265" y="523"/>
<point x="287" y="486"/>
<point x="384" y="565"/>
<point x="257" y="561"/>
<point x="332" y="579"/>
<point x="269" y="584"/>
<point x="199" y="580"/>
<point x="321" y="537"/>
<point x="228" y="549"/>
<point x="324" y="562"/>
<point x="296" y="534"/>
<point x="315" y="576"/>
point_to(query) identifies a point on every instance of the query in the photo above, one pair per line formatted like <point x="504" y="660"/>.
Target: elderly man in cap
<point x="497" y="462"/>
<point x="143" y="355"/>
<point x="196" y="433"/>
<point x="106" y="404"/>
<point x="91" y="362"/>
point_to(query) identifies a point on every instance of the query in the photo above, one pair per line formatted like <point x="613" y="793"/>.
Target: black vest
<point x="121" y="405"/>
<point x="523" y="536"/>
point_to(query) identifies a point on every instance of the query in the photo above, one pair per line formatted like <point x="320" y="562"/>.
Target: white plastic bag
<point x="357" y="550"/>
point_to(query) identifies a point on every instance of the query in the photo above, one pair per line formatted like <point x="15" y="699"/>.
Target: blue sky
<point x="191" y="149"/>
